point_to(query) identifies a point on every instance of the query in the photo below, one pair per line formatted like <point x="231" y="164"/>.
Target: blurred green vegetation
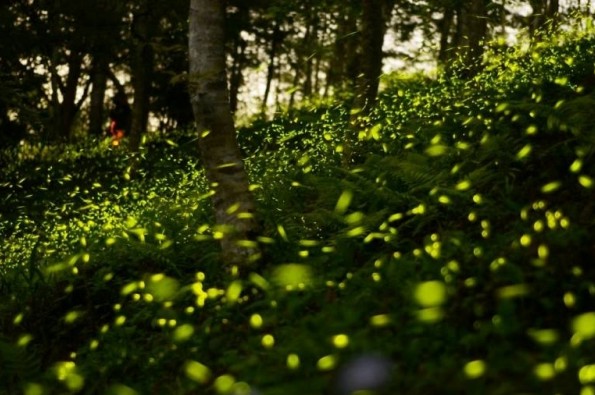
<point x="454" y="256"/>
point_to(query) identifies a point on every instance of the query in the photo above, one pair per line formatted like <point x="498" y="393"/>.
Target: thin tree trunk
<point x="236" y="78"/>
<point x="535" y="18"/>
<point x="232" y="201"/>
<point x="142" y="74"/>
<point x="372" y="38"/>
<point x="307" y="43"/>
<point x="55" y="128"/>
<point x="343" y="66"/>
<point x="296" y="80"/>
<point x="471" y="31"/>
<point x="544" y="12"/>
<point x="444" y="28"/>
<point x="120" y="89"/>
<point x="96" y="108"/>
<point x="371" y="56"/>
<point x="275" y="41"/>
<point x="239" y="57"/>
<point x="317" y="62"/>
<point x="278" y="86"/>
<point x="64" y="111"/>
<point x="552" y="12"/>
<point x="141" y="83"/>
<point x="69" y="109"/>
<point x="503" y="19"/>
<point x="320" y="54"/>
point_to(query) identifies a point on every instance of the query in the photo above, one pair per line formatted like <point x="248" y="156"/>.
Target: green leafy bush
<point x="454" y="256"/>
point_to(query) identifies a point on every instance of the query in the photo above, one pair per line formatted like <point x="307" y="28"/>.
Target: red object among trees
<point x="119" y="118"/>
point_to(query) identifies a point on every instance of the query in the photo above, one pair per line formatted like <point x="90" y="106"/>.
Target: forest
<point x="278" y="197"/>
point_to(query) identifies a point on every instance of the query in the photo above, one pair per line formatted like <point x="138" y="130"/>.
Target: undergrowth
<point x="455" y="255"/>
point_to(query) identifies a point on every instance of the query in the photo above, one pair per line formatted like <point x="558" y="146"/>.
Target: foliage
<point x="455" y="256"/>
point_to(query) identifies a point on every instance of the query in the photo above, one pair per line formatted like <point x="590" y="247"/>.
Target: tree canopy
<point x="66" y="55"/>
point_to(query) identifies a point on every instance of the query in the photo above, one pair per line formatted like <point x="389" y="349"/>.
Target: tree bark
<point x="343" y="65"/>
<point x="55" y="128"/>
<point x="142" y="73"/>
<point x="64" y="111"/>
<point x="553" y="8"/>
<point x="308" y="44"/>
<point x="236" y="78"/>
<point x="544" y="12"/>
<point x="371" y="52"/>
<point x="444" y="27"/>
<point x="471" y="31"/>
<point x="69" y="107"/>
<point x="276" y="38"/>
<point x="537" y="17"/>
<point x="238" y="22"/>
<point x="96" y="109"/>
<point x="233" y="203"/>
<point x="375" y="16"/>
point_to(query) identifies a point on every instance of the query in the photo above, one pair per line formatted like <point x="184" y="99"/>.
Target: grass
<point x="454" y="256"/>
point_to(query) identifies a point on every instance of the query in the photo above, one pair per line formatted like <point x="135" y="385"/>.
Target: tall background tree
<point x="63" y="60"/>
<point x="143" y="28"/>
<point x="543" y="12"/>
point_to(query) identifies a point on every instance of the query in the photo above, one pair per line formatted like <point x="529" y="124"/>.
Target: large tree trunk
<point x="233" y="203"/>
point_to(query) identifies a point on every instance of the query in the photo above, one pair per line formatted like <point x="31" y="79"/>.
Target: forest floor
<point x="455" y="255"/>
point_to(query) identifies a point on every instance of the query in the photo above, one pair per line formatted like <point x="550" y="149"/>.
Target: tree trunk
<point x="372" y="39"/>
<point x="536" y="19"/>
<point x="552" y="12"/>
<point x="275" y="41"/>
<point x="239" y="20"/>
<point x="96" y="109"/>
<point x="343" y="66"/>
<point x="236" y="78"/>
<point x="317" y="62"/>
<point x="64" y="112"/>
<point x="69" y="107"/>
<point x="233" y="203"/>
<point x="295" y="82"/>
<point x="55" y="128"/>
<point x="142" y="73"/>
<point x="444" y="28"/>
<point x="373" y="27"/>
<point x="307" y="43"/>
<point x="118" y="86"/>
<point x="544" y="12"/>
<point x="503" y="19"/>
<point x="553" y="8"/>
<point x="471" y="31"/>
